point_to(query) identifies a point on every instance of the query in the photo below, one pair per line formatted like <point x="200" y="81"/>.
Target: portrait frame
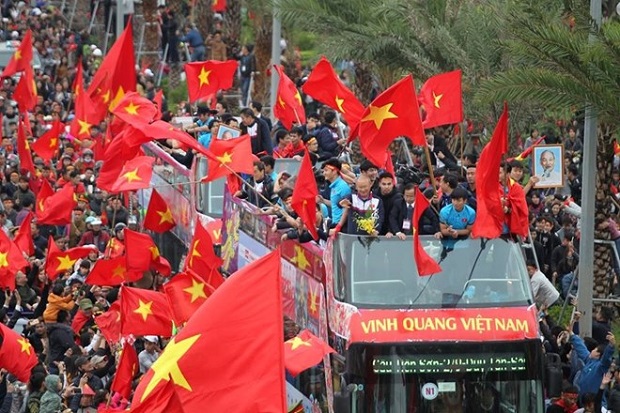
<point x="553" y="178"/>
<point x="223" y="129"/>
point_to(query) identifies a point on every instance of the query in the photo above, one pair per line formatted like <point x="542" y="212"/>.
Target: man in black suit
<point x="441" y="155"/>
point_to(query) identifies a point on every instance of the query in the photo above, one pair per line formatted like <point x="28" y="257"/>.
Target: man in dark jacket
<point x="392" y="204"/>
<point x="260" y="183"/>
<point x="60" y="336"/>
<point x="330" y="141"/>
<point x="258" y="131"/>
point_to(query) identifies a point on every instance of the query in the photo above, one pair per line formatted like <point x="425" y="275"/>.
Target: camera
<point x="409" y="174"/>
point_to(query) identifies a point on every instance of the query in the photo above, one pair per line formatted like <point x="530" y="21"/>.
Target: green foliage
<point x="175" y="95"/>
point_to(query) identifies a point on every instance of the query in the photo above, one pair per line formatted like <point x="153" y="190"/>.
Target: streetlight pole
<point x="276" y="51"/>
<point x="120" y="15"/>
<point x="586" y="245"/>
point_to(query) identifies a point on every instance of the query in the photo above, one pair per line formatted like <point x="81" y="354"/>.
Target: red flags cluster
<point x="425" y="264"/>
<point x="226" y="156"/>
<point x="135" y="174"/>
<point x="158" y="217"/>
<point x="324" y="85"/>
<point x="56" y="209"/>
<point x="46" y="145"/>
<point x="23" y="150"/>
<point x="23" y="236"/>
<point x="16" y="354"/>
<point x="490" y="215"/>
<point x="59" y="262"/>
<point x="111" y="271"/>
<point x="110" y="323"/>
<point x="304" y="196"/>
<point x="288" y="106"/>
<point x="142" y="254"/>
<point x="304" y="351"/>
<point x="145" y="312"/>
<point x="127" y="369"/>
<point x="441" y="96"/>
<point x="21" y="59"/>
<point x="11" y="261"/>
<point x="228" y="382"/>
<point x="134" y="109"/>
<point x="392" y="114"/>
<point x="25" y="93"/>
<point x="186" y="292"/>
<point x="86" y="114"/>
<point x="206" y="78"/>
<point x="201" y="257"/>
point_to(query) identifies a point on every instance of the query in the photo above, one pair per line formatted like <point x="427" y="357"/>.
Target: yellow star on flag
<point x="165" y="216"/>
<point x="154" y="252"/>
<point x="84" y="127"/>
<point x="41" y="205"/>
<point x="18" y="54"/>
<point x="197" y="290"/>
<point x="144" y="309"/>
<point x="296" y="342"/>
<point x="378" y="114"/>
<point x="132" y="109"/>
<point x="339" y="102"/>
<point x="167" y="365"/>
<point x="436" y="99"/>
<point x="281" y="102"/>
<point x="195" y="252"/>
<point x="225" y="158"/>
<point x="298" y="97"/>
<point x="119" y="272"/>
<point x="106" y="96"/>
<point x="204" y="76"/>
<point x="65" y="263"/>
<point x="300" y="258"/>
<point x="132" y="175"/>
<point x="117" y="98"/>
<point x="3" y="260"/>
<point x="25" y="345"/>
<point x="53" y="142"/>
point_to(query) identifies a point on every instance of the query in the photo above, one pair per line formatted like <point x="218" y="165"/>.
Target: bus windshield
<point x="451" y="378"/>
<point x="380" y="272"/>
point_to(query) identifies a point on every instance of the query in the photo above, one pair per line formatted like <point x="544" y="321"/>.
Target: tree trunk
<point x="151" y="36"/>
<point x="232" y="27"/>
<point x="262" y="51"/>
<point x="603" y="255"/>
<point x="363" y="82"/>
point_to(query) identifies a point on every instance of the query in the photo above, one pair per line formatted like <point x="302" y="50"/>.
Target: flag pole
<point x="427" y="152"/>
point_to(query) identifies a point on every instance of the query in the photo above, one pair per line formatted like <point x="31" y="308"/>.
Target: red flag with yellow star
<point x="228" y="380"/>
<point x="158" y="217"/>
<point x="442" y="99"/>
<point x="127" y="369"/>
<point x="112" y="271"/>
<point x="425" y="264"/>
<point x="60" y="262"/>
<point x="23" y="151"/>
<point x="135" y="110"/>
<point x="304" y="196"/>
<point x="201" y="257"/>
<point x="110" y="323"/>
<point x="392" y="114"/>
<point x="136" y="174"/>
<point x="116" y="154"/>
<point x="288" y="106"/>
<point x="224" y="157"/>
<point x="23" y="236"/>
<point x="16" y="354"/>
<point x="85" y="116"/>
<point x="142" y="254"/>
<point x="206" y="78"/>
<point x="21" y="59"/>
<point x="186" y="292"/>
<point x="158" y="100"/>
<point x="145" y="312"/>
<point x="58" y="208"/>
<point x="616" y="148"/>
<point x="25" y="93"/>
<point x="214" y="228"/>
<point x="324" y="85"/>
<point x="45" y="192"/>
<point x="218" y="6"/>
<point x="11" y="261"/>
<point x="116" y="74"/>
<point x="46" y="145"/>
<point x="303" y="351"/>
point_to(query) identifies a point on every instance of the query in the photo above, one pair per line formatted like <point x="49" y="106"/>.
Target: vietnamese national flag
<point x="206" y="78"/>
<point x="127" y="369"/>
<point x="145" y="312"/>
<point x="442" y="98"/>
<point x="116" y="74"/>
<point x="490" y="216"/>
<point x="46" y="145"/>
<point x="304" y="196"/>
<point x="110" y="323"/>
<point x="25" y="93"/>
<point x="324" y="85"/>
<point x="201" y="257"/>
<point x="57" y="209"/>
<point x="616" y="148"/>
<point x="116" y="154"/>
<point x="215" y="230"/>
<point x="21" y="59"/>
<point x="158" y="100"/>
<point x="17" y="355"/>
<point x="136" y="174"/>
<point x="244" y="372"/>
<point x="112" y="271"/>
<point x="158" y="217"/>
<point x="86" y="115"/>
<point x="523" y="155"/>
<point x="218" y="6"/>
<point x="135" y="109"/>
<point x="228" y="156"/>
<point x="11" y="261"/>
<point x="288" y="106"/>
<point x="392" y="114"/>
<point x="59" y="262"/>
<point x="23" y="151"/>
<point x="186" y="292"/>
<point x="45" y="192"/>
<point x="425" y="264"/>
<point x="23" y="236"/>
<point x="303" y="351"/>
<point x="141" y="253"/>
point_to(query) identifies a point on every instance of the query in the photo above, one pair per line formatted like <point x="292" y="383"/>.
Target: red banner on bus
<point x="446" y="324"/>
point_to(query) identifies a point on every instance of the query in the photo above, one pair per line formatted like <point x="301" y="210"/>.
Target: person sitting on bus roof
<point x="457" y="219"/>
<point x="295" y="145"/>
<point x="338" y="190"/>
<point x="259" y="184"/>
<point x="295" y="228"/>
<point x="392" y="205"/>
<point x="270" y="163"/>
<point x="363" y="211"/>
<point x="368" y="169"/>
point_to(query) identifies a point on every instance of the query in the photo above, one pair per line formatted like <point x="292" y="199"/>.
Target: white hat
<point x="97" y="53"/>
<point x="93" y="46"/>
<point x="148" y="72"/>
<point x="152" y="339"/>
<point x="14" y="34"/>
<point x="96" y="221"/>
<point x="36" y="11"/>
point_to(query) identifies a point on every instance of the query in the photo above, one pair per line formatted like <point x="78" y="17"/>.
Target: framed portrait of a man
<point x="226" y="132"/>
<point x="548" y="165"/>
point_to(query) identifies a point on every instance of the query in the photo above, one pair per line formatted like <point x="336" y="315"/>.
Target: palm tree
<point x="560" y="68"/>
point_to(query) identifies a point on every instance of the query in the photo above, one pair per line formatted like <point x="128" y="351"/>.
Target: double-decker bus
<point x="465" y="339"/>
